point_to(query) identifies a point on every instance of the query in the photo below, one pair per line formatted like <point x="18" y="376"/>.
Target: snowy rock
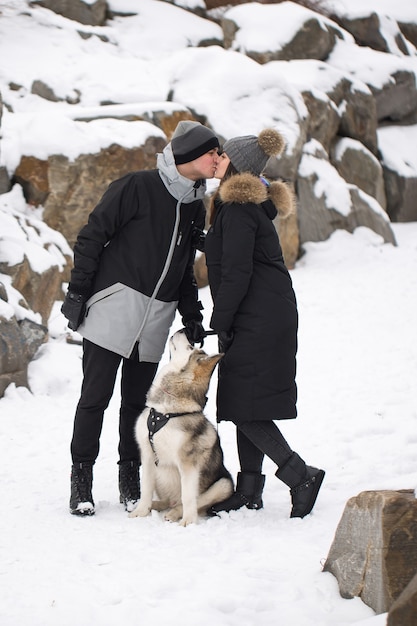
<point x="368" y="30"/>
<point x="397" y="99"/>
<point x="313" y="36"/>
<point x="4" y="176"/>
<point x="326" y="202"/>
<point x="4" y="180"/>
<point x="374" y="551"/>
<point x="35" y="259"/>
<point x="359" y="166"/>
<point x="401" y="195"/>
<point x="91" y="12"/>
<point x="324" y="118"/>
<point x="68" y="189"/>
<point x="372" y="26"/>
<point x="19" y="342"/>
<point x="404" y="610"/>
<point x="399" y="164"/>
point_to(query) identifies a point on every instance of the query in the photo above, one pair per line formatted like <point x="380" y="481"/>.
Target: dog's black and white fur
<point x="182" y="461"/>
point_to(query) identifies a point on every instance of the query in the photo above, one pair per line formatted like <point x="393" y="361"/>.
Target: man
<point x="133" y="268"/>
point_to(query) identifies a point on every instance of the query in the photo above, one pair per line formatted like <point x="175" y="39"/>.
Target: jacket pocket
<point x="103" y="294"/>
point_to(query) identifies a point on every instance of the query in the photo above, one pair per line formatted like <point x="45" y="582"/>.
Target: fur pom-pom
<point x="271" y="142"/>
<point x="283" y="197"/>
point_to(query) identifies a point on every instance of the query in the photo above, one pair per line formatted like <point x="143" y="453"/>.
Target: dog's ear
<point x="209" y="362"/>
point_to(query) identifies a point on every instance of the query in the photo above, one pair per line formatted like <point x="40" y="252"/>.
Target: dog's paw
<point x="187" y="521"/>
<point x="141" y="510"/>
<point x="173" y="515"/>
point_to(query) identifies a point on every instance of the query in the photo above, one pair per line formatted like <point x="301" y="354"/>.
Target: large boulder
<point x="68" y="186"/>
<point x="403" y="611"/>
<point x="326" y="202"/>
<point x="19" y="342"/>
<point x="324" y="118"/>
<point x="396" y="99"/>
<point x="4" y="176"/>
<point x="36" y="259"/>
<point x="347" y="101"/>
<point x="374" y="551"/>
<point x="409" y="30"/>
<point x="34" y="262"/>
<point x="314" y="38"/>
<point x="358" y="166"/>
<point x="401" y="193"/>
<point x="70" y="189"/>
<point x="390" y="79"/>
<point x="375" y="31"/>
<point x="399" y="163"/>
<point x="92" y="12"/>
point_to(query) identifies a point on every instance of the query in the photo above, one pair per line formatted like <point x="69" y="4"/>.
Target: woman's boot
<point x="304" y="482"/>
<point x="248" y="493"/>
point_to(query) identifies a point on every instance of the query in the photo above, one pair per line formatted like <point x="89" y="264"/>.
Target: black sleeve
<point x="115" y="209"/>
<point x="189" y="306"/>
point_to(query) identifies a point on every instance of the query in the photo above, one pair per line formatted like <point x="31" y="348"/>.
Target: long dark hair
<point x="231" y="171"/>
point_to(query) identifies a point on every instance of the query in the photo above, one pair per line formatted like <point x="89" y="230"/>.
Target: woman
<point x="255" y="316"/>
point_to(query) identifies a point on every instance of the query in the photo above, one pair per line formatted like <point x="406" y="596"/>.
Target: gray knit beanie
<point x="191" y="140"/>
<point x="251" y="153"/>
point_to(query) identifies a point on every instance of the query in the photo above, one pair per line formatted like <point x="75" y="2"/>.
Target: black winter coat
<point x="253" y="296"/>
<point x="134" y="261"/>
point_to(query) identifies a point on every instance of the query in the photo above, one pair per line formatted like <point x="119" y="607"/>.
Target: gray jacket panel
<point x="145" y="320"/>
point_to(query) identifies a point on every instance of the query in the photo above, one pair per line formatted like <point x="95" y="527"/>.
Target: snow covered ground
<point x="356" y="368"/>
<point x="357" y="419"/>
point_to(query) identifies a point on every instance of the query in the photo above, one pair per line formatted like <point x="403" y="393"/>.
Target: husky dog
<point x="182" y="460"/>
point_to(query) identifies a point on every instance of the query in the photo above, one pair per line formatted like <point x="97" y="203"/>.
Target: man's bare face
<point x="203" y="167"/>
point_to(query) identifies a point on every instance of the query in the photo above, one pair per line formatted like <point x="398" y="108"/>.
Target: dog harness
<point x="157" y="420"/>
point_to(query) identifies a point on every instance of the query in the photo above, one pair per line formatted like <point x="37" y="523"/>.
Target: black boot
<point x="248" y="493"/>
<point x="81" y="501"/>
<point x="305" y="483"/>
<point x="129" y="485"/>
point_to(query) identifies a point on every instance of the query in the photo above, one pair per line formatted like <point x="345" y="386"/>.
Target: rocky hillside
<point x="341" y="85"/>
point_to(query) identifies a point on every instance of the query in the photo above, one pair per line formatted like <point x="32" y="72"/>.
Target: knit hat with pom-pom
<point x="251" y="153"/>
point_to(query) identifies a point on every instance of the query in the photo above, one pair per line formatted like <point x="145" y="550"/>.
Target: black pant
<point x="255" y="439"/>
<point x="100" y="369"/>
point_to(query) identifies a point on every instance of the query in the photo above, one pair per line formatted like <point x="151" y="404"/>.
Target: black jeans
<point x="255" y="439"/>
<point x="100" y="368"/>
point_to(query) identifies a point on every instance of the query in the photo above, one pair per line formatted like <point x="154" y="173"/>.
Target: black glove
<point x="73" y="309"/>
<point x="194" y="331"/>
<point x="198" y="239"/>
<point x="225" y="340"/>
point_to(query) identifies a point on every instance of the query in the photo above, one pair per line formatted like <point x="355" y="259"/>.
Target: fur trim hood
<point x="246" y="188"/>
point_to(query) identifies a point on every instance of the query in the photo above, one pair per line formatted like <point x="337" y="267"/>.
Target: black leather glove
<point x="225" y="340"/>
<point x="194" y="331"/>
<point x="73" y="309"/>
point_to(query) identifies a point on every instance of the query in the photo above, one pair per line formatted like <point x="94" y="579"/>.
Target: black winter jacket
<point x="253" y="296"/>
<point x="134" y="261"/>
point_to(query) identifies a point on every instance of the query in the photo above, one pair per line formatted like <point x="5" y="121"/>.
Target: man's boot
<point x="81" y="501"/>
<point x="129" y="485"/>
<point x="304" y="482"/>
<point x="248" y="493"/>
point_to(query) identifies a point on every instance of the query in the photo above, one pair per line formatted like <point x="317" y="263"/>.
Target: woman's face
<point x="222" y="165"/>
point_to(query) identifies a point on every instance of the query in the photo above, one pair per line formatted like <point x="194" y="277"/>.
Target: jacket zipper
<point x="166" y="266"/>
